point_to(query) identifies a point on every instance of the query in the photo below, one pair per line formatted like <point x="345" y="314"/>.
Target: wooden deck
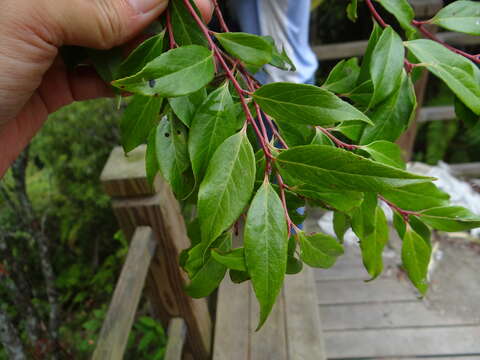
<point x="384" y="319"/>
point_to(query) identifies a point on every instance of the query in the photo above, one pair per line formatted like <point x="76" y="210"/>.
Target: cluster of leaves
<point x="249" y="155"/>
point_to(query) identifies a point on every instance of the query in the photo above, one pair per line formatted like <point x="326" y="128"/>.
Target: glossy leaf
<point x="227" y="186"/>
<point x="321" y="166"/>
<point x="416" y="197"/>
<point x="149" y="50"/>
<point x="172" y="155"/>
<point x="305" y="104"/>
<point x="467" y="116"/>
<point x="209" y="276"/>
<point x="177" y="72"/>
<point x="416" y="253"/>
<point x="458" y="73"/>
<point x="266" y="245"/>
<point x="386" y="153"/>
<point x="343" y="77"/>
<point x="186" y="106"/>
<point x="138" y="120"/>
<point x="106" y="62"/>
<point x="386" y="65"/>
<point x="151" y="162"/>
<point x="341" y="224"/>
<point x="392" y="117"/>
<point x="185" y="29"/>
<point x="214" y="121"/>
<point x="460" y="16"/>
<point x="319" y="250"/>
<point x="280" y="59"/>
<point x="403" y="12"/>
<point x="370" y="225"/>
<point x="450" y="218"/>
<point x="249" y="48"/>
<point x="337" y="200"/>
<point x="233" y="260"/>
<point x="367" y="58"/>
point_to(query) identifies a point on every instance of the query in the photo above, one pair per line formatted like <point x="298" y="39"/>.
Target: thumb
<point x="100" y="24"/>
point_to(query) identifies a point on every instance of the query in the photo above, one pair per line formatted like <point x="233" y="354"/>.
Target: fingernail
<point x="145" y="6"/>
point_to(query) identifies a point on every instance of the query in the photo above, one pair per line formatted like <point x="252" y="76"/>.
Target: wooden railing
<point x="151" y="217"/>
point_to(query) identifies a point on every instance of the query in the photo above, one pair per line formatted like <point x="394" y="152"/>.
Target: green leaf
<point x="151" y="162"/>
<point x="450" y="218"/>
<point x="403" y="12"/>
<point x="177" y="72"/>
<point x="343" y="77"/>
<point x="233" y="260"/>
<point x="367" y="58"/>
<point x="341" y="223"/>
<point x="370" y="225"/>
<point x="320" y="139"/>
<point x="338" y="200"/>
<point x="250" y="49"/>
<point x="227" y="186"/>
<point x="172" y="155"/>
<point x="185" y="29"/>
<point x="266" y="245"/>
<point x="416" y="253"/>
<point x="386" y="65"/>
<point x="352" y="10"/>
<point x="214" y="121"/>
<point x="362" y="94"/>
<point x="281" y="59"/>
<point x="386" y="153"/>
<point x="138" y="120"/>
<point x="416" y="197"/>
<point x="211" y="273"/>
<point x="393" y="116"/>
<point x="295" y="134"/>
<point x="305" y="104"/>
<point x="459" y="74"/>
<point x="186" y="106"/>
<point x="239" y="277"/>
<point x="106" y="62"/>
<point x="326" y="167"/>
<point x="149" y="50"/>
<point x="319" y="250"/>
<point x="460" y="16"/>
<point x="294" y="266"/>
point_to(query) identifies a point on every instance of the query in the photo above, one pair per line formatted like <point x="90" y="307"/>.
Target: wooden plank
<point x="357" y="48"/>
<point x="303" y="324"/>
<point x="136" y="206"/>
<point x="232" y="325"/>
<point x="270" y="341"/>
<point x="355" y="291"/>
<point x="121" y="312"/>
<point x="436" y="113"/>
<point x="461" y="340"/>
<point x="177" y="330"/>
<point x="386" y="315"/>
<point x="468" y="169"/>
<point x="125" y="176"/>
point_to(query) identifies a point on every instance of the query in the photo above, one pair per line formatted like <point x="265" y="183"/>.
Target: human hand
<point x="34" y="81"/>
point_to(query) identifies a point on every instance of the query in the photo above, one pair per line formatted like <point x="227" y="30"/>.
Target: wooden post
<point x="136" y="203"/>
<point x="121" y="312"/>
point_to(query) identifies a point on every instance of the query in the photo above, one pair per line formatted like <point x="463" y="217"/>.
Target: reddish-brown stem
<point x="173" y="43"/>
<point x="375" y="14"/>
<point x="337" y="141"/>
<point x="405" y="214"/>
<point x="428" y="34"/>
<point x="236" y="85"/>
<point x="220" y="18"/>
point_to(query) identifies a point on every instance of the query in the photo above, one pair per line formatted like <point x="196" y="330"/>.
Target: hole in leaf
<point x="167" y="134"/>
<point x="151" y="83"/>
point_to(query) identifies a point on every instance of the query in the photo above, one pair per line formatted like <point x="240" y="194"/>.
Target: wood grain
<point x="302" y="319"/>
<point x="121" y="312"/>
<point x="177" y="330"/>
